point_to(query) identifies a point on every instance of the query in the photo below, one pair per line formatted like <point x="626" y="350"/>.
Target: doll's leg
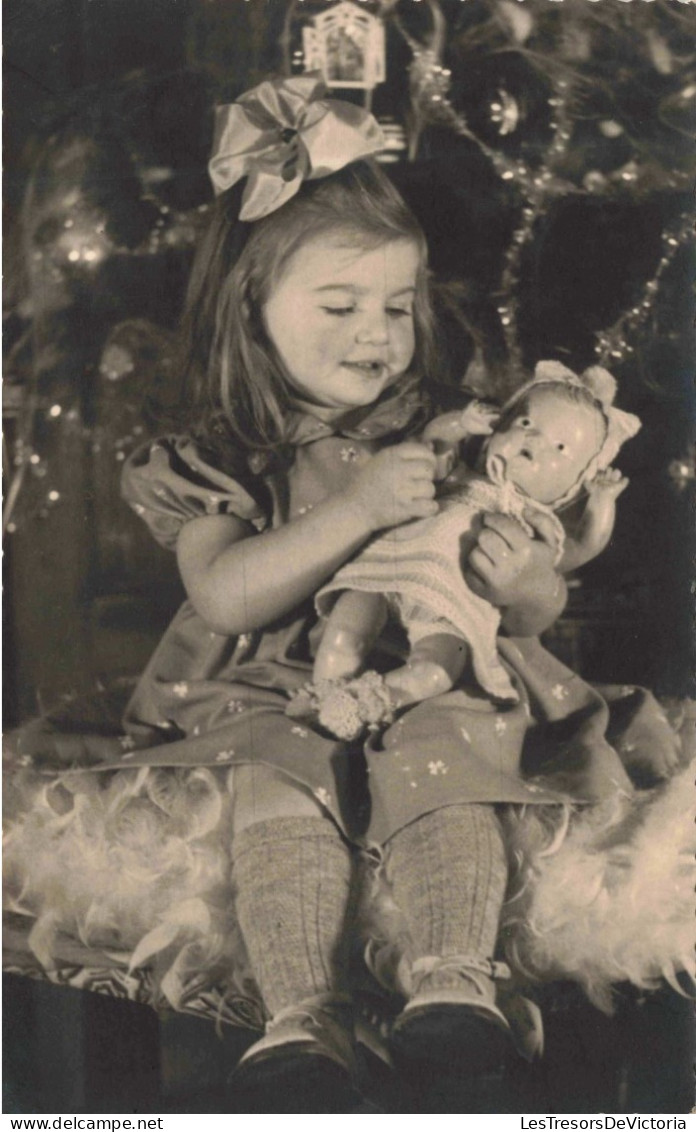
<point x="448" y="873"/>
<point x="294" y="882"/>
<point x="435" y="664"/>
<point x="354" y="625"/>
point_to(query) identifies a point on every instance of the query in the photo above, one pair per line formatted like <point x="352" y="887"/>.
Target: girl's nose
<point x="374" y="330"/>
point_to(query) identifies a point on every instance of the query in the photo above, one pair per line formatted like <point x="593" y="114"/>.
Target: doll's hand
<point x="515" y="572"/>
<point x="607" y="485"/>
<point x="479" y="419"/>
<point x="445" y="432"/>
<point x="396" y="485"/>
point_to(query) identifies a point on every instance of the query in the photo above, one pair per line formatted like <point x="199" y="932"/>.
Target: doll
<point x="550" y="444"/>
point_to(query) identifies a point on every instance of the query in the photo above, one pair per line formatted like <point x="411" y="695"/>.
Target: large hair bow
<point x="282" y="133"/>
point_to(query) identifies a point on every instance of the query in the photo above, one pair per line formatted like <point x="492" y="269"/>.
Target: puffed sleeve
<point x="170" y="481"/>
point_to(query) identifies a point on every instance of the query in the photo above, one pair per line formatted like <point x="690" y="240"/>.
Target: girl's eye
<point x="398" y="312"/>
<point x="340" y="312"/>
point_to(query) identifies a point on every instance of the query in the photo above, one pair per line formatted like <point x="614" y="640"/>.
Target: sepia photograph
<point x="349" y="719"/>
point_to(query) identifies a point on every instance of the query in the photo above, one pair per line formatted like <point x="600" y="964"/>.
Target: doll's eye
<point x="561" y="447"/>
<point x="526" y="422"/>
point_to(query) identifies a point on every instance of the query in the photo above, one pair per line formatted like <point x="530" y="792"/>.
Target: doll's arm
<point x="594" y="528"/>
<point x="445" y="432"/>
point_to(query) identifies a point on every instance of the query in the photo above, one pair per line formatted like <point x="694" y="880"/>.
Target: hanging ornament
<point x="682" y="472"/>
<point x="626" y="175"/>
<point x="595" y="181"/>
<point x="116" y="363"/>
<point x="505" y="113"/>
<point x="345" y="44"/>
<point x="610" y="128"/>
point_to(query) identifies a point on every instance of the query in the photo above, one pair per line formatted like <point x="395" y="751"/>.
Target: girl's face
<point x="547" y="444"/>
<point x="341" y="319"/>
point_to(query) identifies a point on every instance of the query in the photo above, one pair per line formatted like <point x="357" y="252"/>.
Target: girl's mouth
<point x="366" y="369"/>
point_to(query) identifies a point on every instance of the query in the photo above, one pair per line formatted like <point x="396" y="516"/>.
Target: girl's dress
<point x="419" y="568"/>
<point x="207" y="702"/>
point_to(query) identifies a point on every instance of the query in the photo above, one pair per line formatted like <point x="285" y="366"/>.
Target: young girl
<point x="310" y="338"/>
<point x="320" y="338"/>
<point x="553" y="440"/>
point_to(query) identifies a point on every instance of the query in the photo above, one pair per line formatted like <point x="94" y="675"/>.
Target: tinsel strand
<point x="613" y="343"/>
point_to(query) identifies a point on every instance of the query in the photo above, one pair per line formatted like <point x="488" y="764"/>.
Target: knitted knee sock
<point x="448" y="872"/>
<point x="293" y="880"/>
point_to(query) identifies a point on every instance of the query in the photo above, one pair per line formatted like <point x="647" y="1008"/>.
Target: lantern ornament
<point x="345" y="44"/>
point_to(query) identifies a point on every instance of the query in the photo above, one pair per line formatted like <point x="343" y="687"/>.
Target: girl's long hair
<point x="234" y="381"/>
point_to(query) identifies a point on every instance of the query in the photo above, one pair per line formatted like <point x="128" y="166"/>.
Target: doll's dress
<point x="119" y="831"/>
<point x="419" y="567"/>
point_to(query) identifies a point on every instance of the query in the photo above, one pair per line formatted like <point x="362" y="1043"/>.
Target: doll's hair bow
<point x="601" y="386"/>
<point x="282" y="133"/>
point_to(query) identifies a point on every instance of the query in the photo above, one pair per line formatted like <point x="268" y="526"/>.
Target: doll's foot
<point x="346" y="708"/>
<point x="304" y="1063"/>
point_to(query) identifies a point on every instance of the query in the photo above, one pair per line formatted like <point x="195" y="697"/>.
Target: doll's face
<point x="341" y="319"/>
<point x="547" y="443"/>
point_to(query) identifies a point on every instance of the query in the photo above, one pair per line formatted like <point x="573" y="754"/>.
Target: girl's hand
<point x="516" y="573"/>
<point x="395" y="485"/>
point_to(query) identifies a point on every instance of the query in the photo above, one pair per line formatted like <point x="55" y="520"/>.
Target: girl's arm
<point x="238" y="580"/>
<point x="516" y="573"/>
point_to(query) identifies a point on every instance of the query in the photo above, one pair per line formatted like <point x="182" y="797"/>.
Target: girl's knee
<point x="260" y="793"/>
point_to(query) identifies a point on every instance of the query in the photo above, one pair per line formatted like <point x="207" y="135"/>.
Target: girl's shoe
<point x="453" y="1025"/>
<point x="305" y="1062"/>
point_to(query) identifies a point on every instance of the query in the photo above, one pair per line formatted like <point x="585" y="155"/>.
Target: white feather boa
<point x="137" y="863"/>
